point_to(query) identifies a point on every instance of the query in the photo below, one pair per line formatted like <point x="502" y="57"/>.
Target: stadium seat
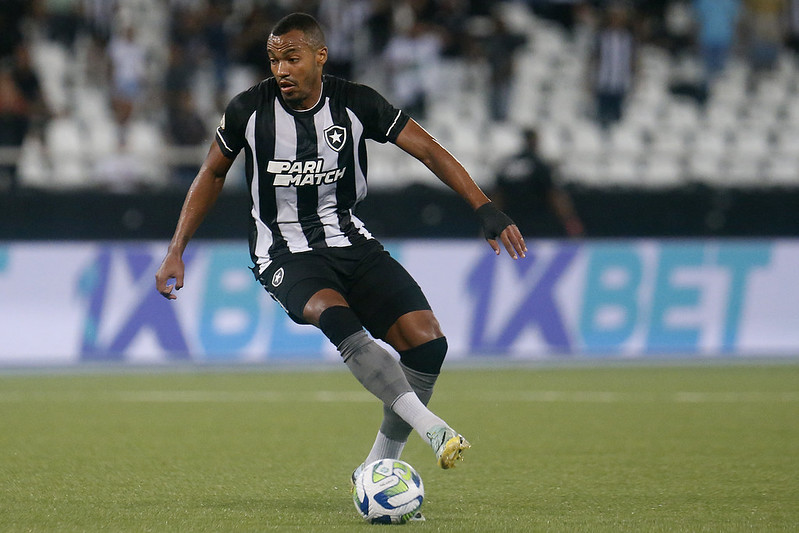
<point x="146" y="143"/>
<point x="65" y="144"/>
<point x="786" y="141"/>
<point x="52" y="63"/>
<point x="584" y="169"/>
<point x="33" y="168"/>
<point x="102" y="138"/>
<point x="679" y="115"/>
<point x="742" y="170"/>
<point x="669" y="142"/>
<point x="662" y="170"/>
<point x="504" y="140"/>
<point x="627" y="139"/>
<point x="789" y="113"/>
<point x="552" y="142"/>
<point x="586" y="138"/>
<point x="623" y="170"/>
<point x="720" y="115"/>
<point x="750" y="142"/>
<point x="710" y="141"/>
<point x="92" y="105"/>
<point x="783" y="170"/>
<point x="772" y="91"/>
<point x="702" y="167"/>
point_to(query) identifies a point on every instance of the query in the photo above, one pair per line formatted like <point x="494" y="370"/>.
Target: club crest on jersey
<point x="335" y="137"/>
<point x="277" y="277"/>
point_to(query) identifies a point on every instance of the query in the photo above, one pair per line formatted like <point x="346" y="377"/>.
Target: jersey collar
<point x="303" y="112"/>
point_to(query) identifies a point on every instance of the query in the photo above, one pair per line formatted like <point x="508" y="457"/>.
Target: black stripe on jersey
<point x="346" y="193"/>
<point x="308" y="197"/>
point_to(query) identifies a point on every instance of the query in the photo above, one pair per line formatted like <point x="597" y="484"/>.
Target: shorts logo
<point x="335" y="136"/>
<point x="277" y="277"/>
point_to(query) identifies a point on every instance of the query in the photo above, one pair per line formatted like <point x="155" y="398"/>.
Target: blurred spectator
<point x="128" y="68"/>
<point x="27" y="80"/>
<point x="342" y="21"/>
<point x="500" y="50"/>
<point x="452" y="17"/>
<point x="199" y="35"/>
<point x="527" y="190"/>
<point x="792" y="31"/>
<point x="14" y="123"/>
<point x="652" y="15"/>
<point x="98" y="18"/>
<point x="679" y="27"/>
<point x="613" y="64"/>
<point x="763" y="29"/>
<point x="12" y="13"/>
<point x="179" y="75"/>
<point x="218" y="45"/>
<point x="249" y="44"/>
<point x="412" y="57"/>
<point x="63" y="19"/>
<point x="562" y="12"/>
<point x="717" y="21"/>
<point x="134" y="160"/>
<point x="379" y="25"/>
<point x="185" y="128"/>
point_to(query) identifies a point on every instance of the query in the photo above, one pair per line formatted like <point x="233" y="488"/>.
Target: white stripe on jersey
<point x="361" y="228"/>
<point x="399" y="113"/>
<point x="286" y="197"/>
<point x="219" y="134"/>
<point x="357" y="132"/>
<point x="263" y="238"/>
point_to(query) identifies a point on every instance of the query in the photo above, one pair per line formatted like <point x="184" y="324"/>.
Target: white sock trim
<point x="411" y="409"/>
<point x="384" y="448"/>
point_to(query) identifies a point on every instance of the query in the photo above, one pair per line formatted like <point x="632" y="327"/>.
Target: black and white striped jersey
<point x="306" y="170"/>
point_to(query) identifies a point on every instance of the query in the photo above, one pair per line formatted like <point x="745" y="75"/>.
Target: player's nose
<point x="281" y="70"/>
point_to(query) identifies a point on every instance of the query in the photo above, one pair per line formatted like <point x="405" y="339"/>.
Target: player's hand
<point x="171" y="268"/>
<point x="497" y="224"/>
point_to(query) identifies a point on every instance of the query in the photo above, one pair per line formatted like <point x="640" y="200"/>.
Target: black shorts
<point x="378" y="289"/>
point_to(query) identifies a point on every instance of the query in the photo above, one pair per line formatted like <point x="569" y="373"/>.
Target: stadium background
<point x="122" y="411"/>
<point x="130" y="92"/>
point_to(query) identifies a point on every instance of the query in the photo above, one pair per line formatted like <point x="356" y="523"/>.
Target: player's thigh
<point x="293" y="280"/>
<point x="383" y="292"/>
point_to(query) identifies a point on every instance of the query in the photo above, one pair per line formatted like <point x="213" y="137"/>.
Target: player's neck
<point x="308" y="103"/>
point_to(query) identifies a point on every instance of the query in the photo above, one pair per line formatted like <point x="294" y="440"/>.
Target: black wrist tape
<point x="493" y="220"/>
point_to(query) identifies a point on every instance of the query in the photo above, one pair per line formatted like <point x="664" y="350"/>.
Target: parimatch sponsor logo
<point x="302" y="173"/>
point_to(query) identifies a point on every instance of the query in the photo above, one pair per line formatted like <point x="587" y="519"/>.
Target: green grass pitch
<point x="670" y="447"/>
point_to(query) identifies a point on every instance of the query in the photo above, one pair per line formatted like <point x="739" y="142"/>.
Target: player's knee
<point x="427" y="357"/>
<point x="338" y="323"/>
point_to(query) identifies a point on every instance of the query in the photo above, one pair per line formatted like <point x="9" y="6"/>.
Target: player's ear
<point x="321" y="56"/>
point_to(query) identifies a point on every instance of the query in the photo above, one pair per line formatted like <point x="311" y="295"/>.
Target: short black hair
<point x="303" y="22"/>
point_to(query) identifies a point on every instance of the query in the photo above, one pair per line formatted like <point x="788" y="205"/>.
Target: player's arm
<point x="201" y="197"/>
<point x="420" y="144"/>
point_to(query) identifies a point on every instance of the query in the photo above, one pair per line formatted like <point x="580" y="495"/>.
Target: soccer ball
<point x="388" y="491"/>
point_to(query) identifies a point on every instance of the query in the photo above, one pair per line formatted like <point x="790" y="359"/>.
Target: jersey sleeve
<point x="230" y="132"/>
<point x="381" y="121"/>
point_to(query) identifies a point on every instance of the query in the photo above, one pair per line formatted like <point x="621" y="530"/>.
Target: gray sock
<point x="394" y="427"/>
<point x="374" y="367"/>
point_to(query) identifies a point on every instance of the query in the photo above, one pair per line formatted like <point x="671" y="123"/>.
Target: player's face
<point x="297" y="67"/>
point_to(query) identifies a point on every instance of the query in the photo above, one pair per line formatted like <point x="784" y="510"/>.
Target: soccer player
<point x="303" y="134"/>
